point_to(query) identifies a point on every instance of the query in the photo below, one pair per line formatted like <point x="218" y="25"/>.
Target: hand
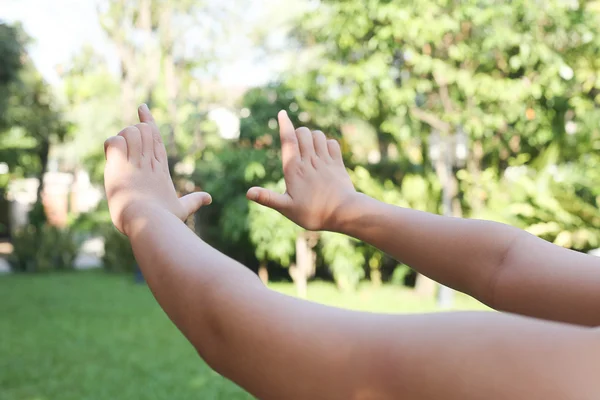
<point x="137" y="178"/>
<point x="317" y="184"/>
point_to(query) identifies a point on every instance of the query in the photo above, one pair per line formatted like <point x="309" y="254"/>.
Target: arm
<point x="501" y="266"/>
<point x="278" y="347"/>
<point x="504" y="267"/>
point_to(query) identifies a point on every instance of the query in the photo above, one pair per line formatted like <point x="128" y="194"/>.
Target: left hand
<point x="137" y="178"/>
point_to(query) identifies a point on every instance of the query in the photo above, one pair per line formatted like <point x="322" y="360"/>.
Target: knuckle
<point x="264" y="197"/>
<point x="143" y="127"/>
<point x="289" y="139"/>
<point x="298" y="170"/>
<point x="334" y="145"/>
<point x="130" y="130"/>
<point x="314" y="161"/>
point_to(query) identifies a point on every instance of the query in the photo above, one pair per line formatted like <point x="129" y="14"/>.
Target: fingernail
<point x="252" y="194"/>
<point x="144" y="107"/>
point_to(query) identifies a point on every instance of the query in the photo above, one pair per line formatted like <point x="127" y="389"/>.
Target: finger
<point x="305" y="141"/>
<point x="159" y="147"/>
<point x="268" y="198"/>
<point x="133" y="137"/>
<point x="145" y="115"/>
<point x="334" y="149"/>
<point x="147" y="141"/>
<point x="193" y="201"/>
<point x="320" y="142"/>
<point x="115" y="148"/>
<point x="289" y="143"/>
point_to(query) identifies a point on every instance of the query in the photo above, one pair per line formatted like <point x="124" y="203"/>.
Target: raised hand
<point x="137" y="178"/>
<point x="317" y="184"/>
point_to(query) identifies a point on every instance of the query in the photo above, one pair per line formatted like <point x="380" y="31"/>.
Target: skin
<point x="502" y="266"/>
<point x="281" y="347"/>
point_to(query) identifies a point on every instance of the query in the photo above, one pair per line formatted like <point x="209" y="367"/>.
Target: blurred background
<point x="480" y="109"/>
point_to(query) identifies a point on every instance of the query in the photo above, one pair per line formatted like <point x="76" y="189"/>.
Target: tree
<point x="163" y="46"/>
<point x="31" y="117"/>
<point x="12" y="42"/>
<point x="90" y="90"/>
<point x="515" y="76"/>
<point x="227" y="173"/>
<point x="37" y="122"/>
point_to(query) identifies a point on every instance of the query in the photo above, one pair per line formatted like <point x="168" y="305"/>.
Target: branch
<point x="430" y="119"/>
<point x="444" y="95"/>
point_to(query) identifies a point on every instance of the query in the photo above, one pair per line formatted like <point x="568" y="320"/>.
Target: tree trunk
<point x="171" y="81"/>
<point x="474" y="166"/>
<point x="449" y="202"/>
<point x="263" y="273"/>
<point x="37" y="215"/>
<point x="384" y="145"/>
<point x="425" y="287"/>
<point x="305" y="263"/>
<point x="375" y="270"/>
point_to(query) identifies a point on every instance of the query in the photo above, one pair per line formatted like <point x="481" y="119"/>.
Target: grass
<point x="91" y="335"/>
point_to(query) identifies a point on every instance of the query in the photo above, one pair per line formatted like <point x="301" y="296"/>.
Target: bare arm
<point x="501" y="266"/>
<point x="279" y="347"/>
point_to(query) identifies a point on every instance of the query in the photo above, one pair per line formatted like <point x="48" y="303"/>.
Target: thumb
<point x="193" y="201"/>
<point x="268" y="198"/>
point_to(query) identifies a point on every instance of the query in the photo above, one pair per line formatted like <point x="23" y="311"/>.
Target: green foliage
<point x="399" y="275"/>
<point x="520" y="78"/>
<point x="272" y="234"/>
<point x="89" y="89"/>
<point x="118" y="255"/>
<point x="229" y="170"/>
<point x="12" y="41"/>
<point x="11" y="49"/>
<point x="93" y="222"/>
<point x="344" y="260"/>
<point x="516" y="76"/>
<point x="43" y="248"/>
<point x="553" y="203"/>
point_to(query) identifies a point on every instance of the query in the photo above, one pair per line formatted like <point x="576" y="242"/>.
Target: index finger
<point x="289" y="142"/>
<point x="146" y="116"/>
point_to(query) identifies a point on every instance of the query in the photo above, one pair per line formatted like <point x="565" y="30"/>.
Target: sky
<point x="59" y="28"/>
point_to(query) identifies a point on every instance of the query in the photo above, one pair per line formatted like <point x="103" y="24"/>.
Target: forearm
<point x="460" y="253"/>
<point x="273" y="345"/>
<point x="191" y="281"/>
<point x="502" y="266"/>
<point x="280" y="347"/>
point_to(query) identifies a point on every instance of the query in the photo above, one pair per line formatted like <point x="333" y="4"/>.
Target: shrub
<point x="118" y="255"/>
<point x="43" y="248"/>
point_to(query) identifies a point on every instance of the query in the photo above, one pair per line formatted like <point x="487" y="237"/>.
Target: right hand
<point x="317" y="183"/>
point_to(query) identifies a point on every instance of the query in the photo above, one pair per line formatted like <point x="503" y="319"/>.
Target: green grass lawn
<point x="91" y="335"/>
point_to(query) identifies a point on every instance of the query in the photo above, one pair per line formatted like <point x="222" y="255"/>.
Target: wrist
<point x="349" y="212"/>
<point x="136" y="216"/>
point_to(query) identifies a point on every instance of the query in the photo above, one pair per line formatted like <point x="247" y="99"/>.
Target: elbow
<point x="228" y="330"/>
<point x="500" y="264"/>
<point x="214" y="348"/>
